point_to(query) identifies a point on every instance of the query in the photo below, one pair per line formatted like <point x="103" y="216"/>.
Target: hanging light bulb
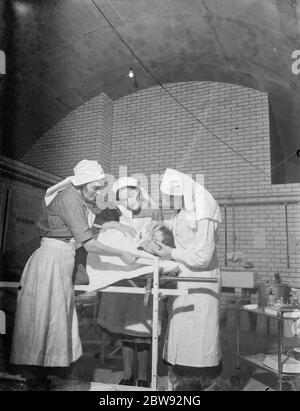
<point x="131" y="73"/>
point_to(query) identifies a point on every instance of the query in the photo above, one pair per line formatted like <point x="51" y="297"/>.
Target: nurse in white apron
<point x="192" y="345"/>
<point x="46" y="327"/>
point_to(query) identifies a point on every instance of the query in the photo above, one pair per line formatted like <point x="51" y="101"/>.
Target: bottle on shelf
<point x="271" y="299"/>
<point x="277" y="277"/>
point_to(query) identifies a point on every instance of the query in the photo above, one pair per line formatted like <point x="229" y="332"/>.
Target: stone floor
<point x="90" y="368"/>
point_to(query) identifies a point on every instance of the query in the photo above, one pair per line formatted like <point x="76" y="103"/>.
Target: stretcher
<point x="157" y="294"/>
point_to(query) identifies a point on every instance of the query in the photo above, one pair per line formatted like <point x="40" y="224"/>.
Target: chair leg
<point x="102" y="354"/>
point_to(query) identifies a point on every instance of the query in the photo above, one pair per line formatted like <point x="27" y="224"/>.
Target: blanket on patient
<point x="107" y="270"/>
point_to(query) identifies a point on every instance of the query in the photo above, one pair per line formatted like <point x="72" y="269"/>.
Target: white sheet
<point x="104" y="270"/>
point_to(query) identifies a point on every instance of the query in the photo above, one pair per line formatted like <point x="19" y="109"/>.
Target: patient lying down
<point x="159" y="234"/>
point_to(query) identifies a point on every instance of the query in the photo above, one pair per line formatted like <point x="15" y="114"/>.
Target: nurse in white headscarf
<point x="192" y="341"/>
<point x="46" y="328"/>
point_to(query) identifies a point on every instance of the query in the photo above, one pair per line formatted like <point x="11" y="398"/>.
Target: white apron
<point x="192" y="337"/>
<point x="46" y="327"/>
<point x="126" y="314"/>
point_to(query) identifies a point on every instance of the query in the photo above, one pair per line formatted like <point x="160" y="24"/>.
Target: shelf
<point x="288" y="315"/>
<point x="258" y="311"/>
<point x="258" y="361"/>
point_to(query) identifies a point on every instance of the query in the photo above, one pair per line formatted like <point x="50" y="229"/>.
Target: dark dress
<point x="106" y="215"/>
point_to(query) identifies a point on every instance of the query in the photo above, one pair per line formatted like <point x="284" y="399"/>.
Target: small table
<point x="280" y="316"/>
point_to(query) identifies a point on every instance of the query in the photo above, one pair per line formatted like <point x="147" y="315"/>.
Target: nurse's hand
<point x="163" y="251"/>
<point x="152" y="226"/>
<point x="128" y="258"/>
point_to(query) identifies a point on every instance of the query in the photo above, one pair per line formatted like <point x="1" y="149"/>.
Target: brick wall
<point x="22" y="189"/>
<point x="84" y="133"/>
<point x="151" y="132"/>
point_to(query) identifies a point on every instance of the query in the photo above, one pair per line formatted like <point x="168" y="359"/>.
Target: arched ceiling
<point x="61" y="53"/>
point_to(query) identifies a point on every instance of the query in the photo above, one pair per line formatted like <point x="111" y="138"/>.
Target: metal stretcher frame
<point x="157" y="293"/>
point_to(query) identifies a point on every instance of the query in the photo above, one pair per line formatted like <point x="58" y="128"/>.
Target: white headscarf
<point x="131" y="182"/>
<point x="198" y="202"/>
<point x="85" y="172"/>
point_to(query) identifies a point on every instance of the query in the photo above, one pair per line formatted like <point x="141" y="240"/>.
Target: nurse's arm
<point x="200" y="253"/>
<point x="74" y="216"/>
<point x="108" y="225"/>
<point x="94" y="246"/>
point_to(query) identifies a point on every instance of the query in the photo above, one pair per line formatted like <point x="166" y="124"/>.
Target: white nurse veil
<point x="198" y="202"/>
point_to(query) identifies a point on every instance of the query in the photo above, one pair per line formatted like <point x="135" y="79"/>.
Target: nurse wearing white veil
<point x="192" y="338"/>
<point x="46" y="332"/>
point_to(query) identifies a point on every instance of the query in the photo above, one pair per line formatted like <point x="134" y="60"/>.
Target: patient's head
<point x="164" y="235"/>
<point x="161" y="234"/>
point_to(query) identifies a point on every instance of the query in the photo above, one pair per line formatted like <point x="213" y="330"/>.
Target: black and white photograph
<point x="149" y="198"/>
